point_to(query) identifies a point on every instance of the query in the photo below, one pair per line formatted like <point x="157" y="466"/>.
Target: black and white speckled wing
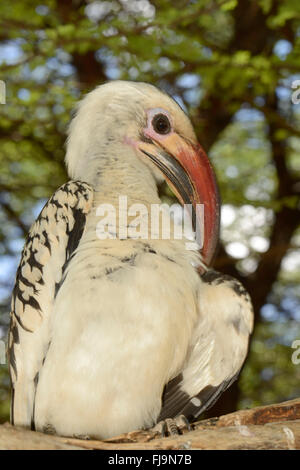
<point x="51" y="241"/>
<point x="218" y="348"/>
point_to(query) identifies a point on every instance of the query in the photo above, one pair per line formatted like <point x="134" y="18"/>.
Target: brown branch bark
<point x="266" y="427"/>
<point x="89" y="71"/>
<point x="12" y="215"/>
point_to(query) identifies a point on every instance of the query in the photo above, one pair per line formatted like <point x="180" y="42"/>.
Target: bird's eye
<point x="161" y="124"/>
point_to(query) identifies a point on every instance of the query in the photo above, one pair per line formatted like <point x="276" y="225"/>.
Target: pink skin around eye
<point x="131" y="142"/>
<point x="149" y="131"/>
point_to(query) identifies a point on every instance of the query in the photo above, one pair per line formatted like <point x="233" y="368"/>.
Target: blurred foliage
<point x="4" y="394"/>
<point x="269" y="375"/>
<point x="231" y="65"/>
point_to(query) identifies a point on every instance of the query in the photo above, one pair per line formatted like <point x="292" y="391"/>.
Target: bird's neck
<point x="117" y="177"/>
<point x="126" y="203"/>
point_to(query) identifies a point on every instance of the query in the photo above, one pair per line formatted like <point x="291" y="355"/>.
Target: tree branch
<point x="266" y="427"/>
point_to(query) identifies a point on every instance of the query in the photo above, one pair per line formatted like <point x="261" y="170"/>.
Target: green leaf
<point x="229" y="5"/>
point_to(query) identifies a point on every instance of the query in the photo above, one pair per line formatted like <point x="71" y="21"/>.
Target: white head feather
<point x="109" y="114"/>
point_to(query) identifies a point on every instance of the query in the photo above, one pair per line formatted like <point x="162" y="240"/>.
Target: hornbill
<point x="112" y="334"/>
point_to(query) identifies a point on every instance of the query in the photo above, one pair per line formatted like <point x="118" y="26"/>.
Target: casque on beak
<point x="189" y="173"/>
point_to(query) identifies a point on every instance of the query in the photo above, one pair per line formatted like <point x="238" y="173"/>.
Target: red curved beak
<point x="188" y="171"/>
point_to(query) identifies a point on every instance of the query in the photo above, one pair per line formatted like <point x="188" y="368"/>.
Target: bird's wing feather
<point x="51" y="241"/>
<point x="218" y="348"/>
